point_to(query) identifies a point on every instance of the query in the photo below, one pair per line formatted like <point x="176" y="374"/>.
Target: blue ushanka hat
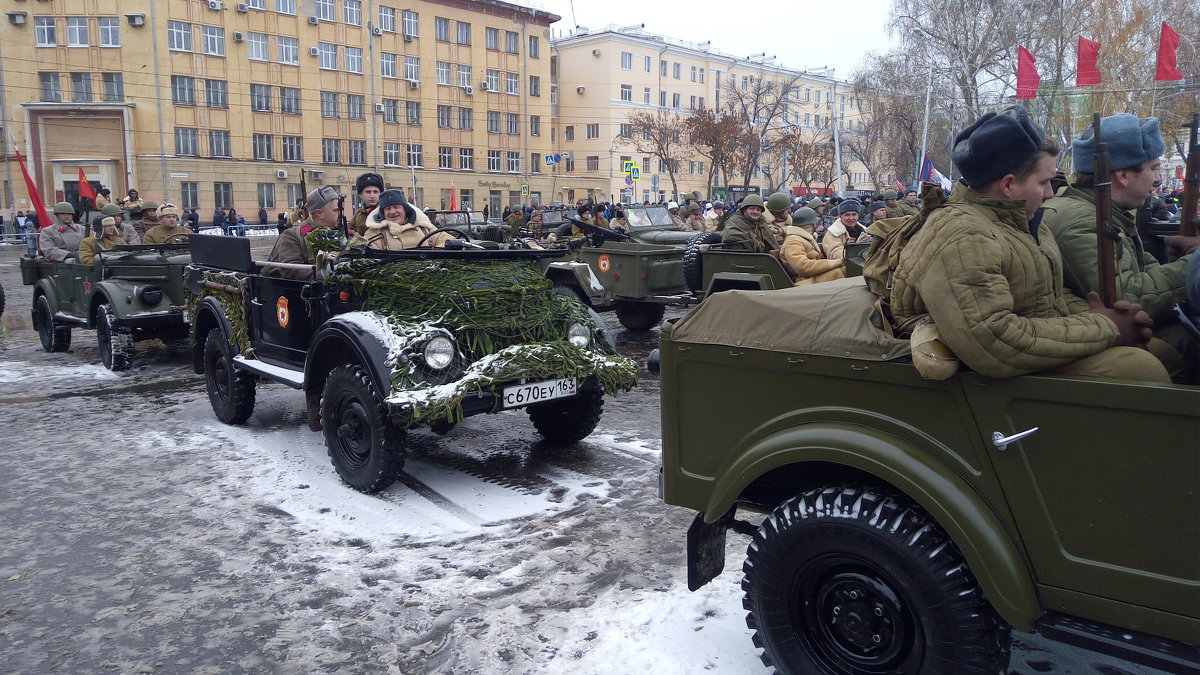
<point x="1131" y="141"/>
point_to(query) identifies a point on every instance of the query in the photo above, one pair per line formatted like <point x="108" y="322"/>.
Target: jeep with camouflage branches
<point x="381" y="342"/>
<point x="905" y="525"/>
<point x="126" y="294"/>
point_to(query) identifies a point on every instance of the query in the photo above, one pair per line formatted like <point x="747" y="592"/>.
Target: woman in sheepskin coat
<point x="395" y="225"/>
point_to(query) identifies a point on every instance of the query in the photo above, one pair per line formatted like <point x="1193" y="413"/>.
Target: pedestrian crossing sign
<point x="635" y="172"/>
<point x="627" y="167"/>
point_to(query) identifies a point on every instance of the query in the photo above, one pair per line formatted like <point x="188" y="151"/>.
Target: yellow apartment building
<point x="213" y="103"/>
<point x="603" y="76"/>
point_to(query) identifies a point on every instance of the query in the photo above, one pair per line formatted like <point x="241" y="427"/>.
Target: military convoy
<point x="902" y="525"/>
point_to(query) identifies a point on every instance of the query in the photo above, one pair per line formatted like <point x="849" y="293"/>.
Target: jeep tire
<point x="570" y="419"/>
<point x="54" y="338"/>
<point x="366" y="449"/>
<point x="230" y="390"/>
<point x="116" y="344"/>
<point x="636" y="315"/>
<point x="850" y="581"/>
<point x="693" y="272"/>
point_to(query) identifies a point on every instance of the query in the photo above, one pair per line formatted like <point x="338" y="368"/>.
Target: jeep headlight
<point x="150" y="295"/>
<point x="579" y="335"/>
<point x="439" y="352"/>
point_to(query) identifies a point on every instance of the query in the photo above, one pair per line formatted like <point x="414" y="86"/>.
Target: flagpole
<point x="925" y="126"/>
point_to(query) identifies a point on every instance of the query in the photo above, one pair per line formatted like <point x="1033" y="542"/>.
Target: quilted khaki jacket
<point x="994" y="290"/>
<point x="1071" y="216"/>
<point x="801" y="251"/>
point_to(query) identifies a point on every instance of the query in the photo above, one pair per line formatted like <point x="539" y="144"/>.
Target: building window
<point x="514" y="124"/>
<point x="535" y="125"/>
<point x="512" y="84"/>
<point x="256" y="46"/>
<point x="294" y="195"/>
<point x="352" y="13"/>
<point x="354" y="60"/>
<point x="625" y="131"/>
<point x="412" y="112"/>
<point x="512" y="42"/>
<point x="358" y="152"/>
<point x="81" y="87"/>
<point x="443" y="116"/>
<point x="223" y="195"/>
<point x="494" y="160"/>
<point x="493" y="118"/>
<point x="77" y="31"/>
<point x="492" y="80"/>
<point x="391" y="154"/>
<point x="662" y="99"/>
<point x="263" y="147"/>
<point x="535" y="163"/>
<point x="293" y="149"/>
<point x="464" y="33"/>
<point x="535" y="85"/>
<point x="331" y="151"/>
<point x="445" y="157"/>
<point x="289" y="50"/>
<point x="329" y="104"/>
<point x="646" y="95"/>
<point x="593" y="163"/>
<point x="183" y="90"/>
<point x="266" y="195"/>
<point x="410" y="23"/>
<point x="676" y="69"/>
<point x="569" y="133"/>
<point x="464" y="76"/>
<point x="391" y="110"/>
<point x="535" y="47"/>
<point x="693" y="73"/>
<point x="662" y="68"/>
<point x="114" y="86"/>
<point x="570" y="165"/>
<point x="356" y="108"/>
<point x="701" y="76"/>
<point x="185" y="142"/>
<point x="110" y="31"/>
<point x="325" y="10"/>
<point x="443" y="72"/>
<point x="285" y="6"/>
<point x="214" y="40"/>
<point x="216" y="93"/>
<point x="492" y="38"/>
<point x="260" y="97"/>
<point x="676" y="100"/>
<point x="441" y="29"/>
<point x="189" y="194"/>
<point x="466" y="159"/>
<point x="326" y="56"/>
<point x="692" y="106"/>
<point x="593" y="131"/>
<point x="179" y="36"/>
<point x="387" y="18"/>
<point x="514" y="162"/>
<point x="412" y="68"/>
<point x="649" y="63"/>
<point x="46" y="35"/>
<point x="627" y="92"/>
<point x="415" y="155"/>
<point x="289" y="100"/>
<point x="256" y="4"/>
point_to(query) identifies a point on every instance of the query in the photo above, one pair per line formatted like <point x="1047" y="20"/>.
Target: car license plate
<point x="536" y="392"/>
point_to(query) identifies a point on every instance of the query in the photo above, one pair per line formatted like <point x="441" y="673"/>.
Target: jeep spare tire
<point x="636" y="315"/>
<point x="693" y="272"/>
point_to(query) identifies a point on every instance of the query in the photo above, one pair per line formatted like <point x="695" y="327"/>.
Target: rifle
<point x="299" y="212"/>
<point x="343" y="224"/>
<point x="1106" y="267"/>
<point x="1191" y="183"/>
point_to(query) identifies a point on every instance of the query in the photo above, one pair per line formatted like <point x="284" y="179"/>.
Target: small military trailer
<point x="382" y="342"/>
<point x="903" y="525"/>
<point x="127" y="294"/>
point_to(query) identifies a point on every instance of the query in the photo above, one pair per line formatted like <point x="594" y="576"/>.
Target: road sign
<point x="654" y="181"/>
<point x="550" y="160"/>
<point x="635" y="173"/>
<point x="628" y="180"/>
<point x="627" y="167"/>
<point x="525" y="189"/>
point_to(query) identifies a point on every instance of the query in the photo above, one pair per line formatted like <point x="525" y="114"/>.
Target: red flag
<point x="1087" y="72"/>
<point x="85" y="188"/>
<point x="1179" y="172"/>
<point x="1027" y="75"/>
<point x="1168" y="42"/>
<point x="34" y="195"/>
<point x="453" y="198"/>
<point x="898" y="184"/>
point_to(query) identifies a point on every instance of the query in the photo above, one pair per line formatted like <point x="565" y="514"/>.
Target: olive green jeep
<point x="902" y="525"/>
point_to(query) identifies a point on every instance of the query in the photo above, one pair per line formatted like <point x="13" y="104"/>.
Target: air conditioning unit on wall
<point x="238" y="37"/>
<point x="376" y="31"/>
<point x="413" y="84"/>
<point x="281" y="173"/>
<point x="316" y="175"/>
<point x="314" y="20"/>
<point x="313" y="51"/>
<point x="216" y="4"/>
<point x="470" y="91"/>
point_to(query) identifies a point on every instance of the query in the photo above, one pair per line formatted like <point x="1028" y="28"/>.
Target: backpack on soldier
<point x="890" y="236"/>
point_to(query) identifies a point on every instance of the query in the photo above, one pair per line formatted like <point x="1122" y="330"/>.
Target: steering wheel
<point x="182" y="239"/>
<point x="459" y="234"/>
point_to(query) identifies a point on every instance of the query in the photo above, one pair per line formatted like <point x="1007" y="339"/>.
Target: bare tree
<point x="658" y="134"/>
<point x="760" y="106"/>
<point x="810" y="160"/>
<point x="717" y="137"/>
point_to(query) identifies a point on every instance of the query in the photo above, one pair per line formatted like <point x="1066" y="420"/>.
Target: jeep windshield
<point x="642" y="217"/>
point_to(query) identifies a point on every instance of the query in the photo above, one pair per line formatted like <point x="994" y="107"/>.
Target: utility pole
<point x="925" y="126"/>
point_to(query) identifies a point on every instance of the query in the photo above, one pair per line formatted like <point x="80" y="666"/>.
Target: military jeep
<point x="382" y="342"/>
<point x="903" y="525"/>
<point x="127" y="294"/>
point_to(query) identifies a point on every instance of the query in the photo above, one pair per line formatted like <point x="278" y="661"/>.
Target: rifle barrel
<point x="1191" y="183"/>
<point x="1106" y="268"/>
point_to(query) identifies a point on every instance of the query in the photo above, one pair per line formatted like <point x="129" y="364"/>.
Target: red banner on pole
<point x="85" y="188"/>
<point x="1168" y="42"/>
<point x="1087" y="72"/>
<point x="453" y="198"/>
<point x="34" y="195"/>
<point x="1027" y="75"/>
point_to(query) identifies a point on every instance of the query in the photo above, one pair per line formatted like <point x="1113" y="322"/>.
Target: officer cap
<point x="848" y="205"/>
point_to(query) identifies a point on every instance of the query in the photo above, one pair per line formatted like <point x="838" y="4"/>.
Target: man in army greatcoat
<point x="59" y="241"/>
<point x="292" y="245"/>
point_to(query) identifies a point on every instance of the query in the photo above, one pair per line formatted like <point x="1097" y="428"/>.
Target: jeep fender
<point x="577" y="275"/>
<point x="210" y="314"/>
<point x="338" y="342"/>
<point x="46" y="287"/>
<point x="98" y="297"/>
<point x="993" y="557"/>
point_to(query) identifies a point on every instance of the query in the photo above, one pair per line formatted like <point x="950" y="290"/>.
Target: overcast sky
<point x="801" y="35"/>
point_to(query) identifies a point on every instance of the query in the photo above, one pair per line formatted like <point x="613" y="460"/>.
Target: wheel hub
<point x="862" y="620"/>
<point x="353" y="433"/>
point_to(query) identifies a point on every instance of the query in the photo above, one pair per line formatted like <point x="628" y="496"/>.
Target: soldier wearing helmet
<point x="746" y="230"/>
<point x="59" y="241"/>
<point x="779" y="214"/>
